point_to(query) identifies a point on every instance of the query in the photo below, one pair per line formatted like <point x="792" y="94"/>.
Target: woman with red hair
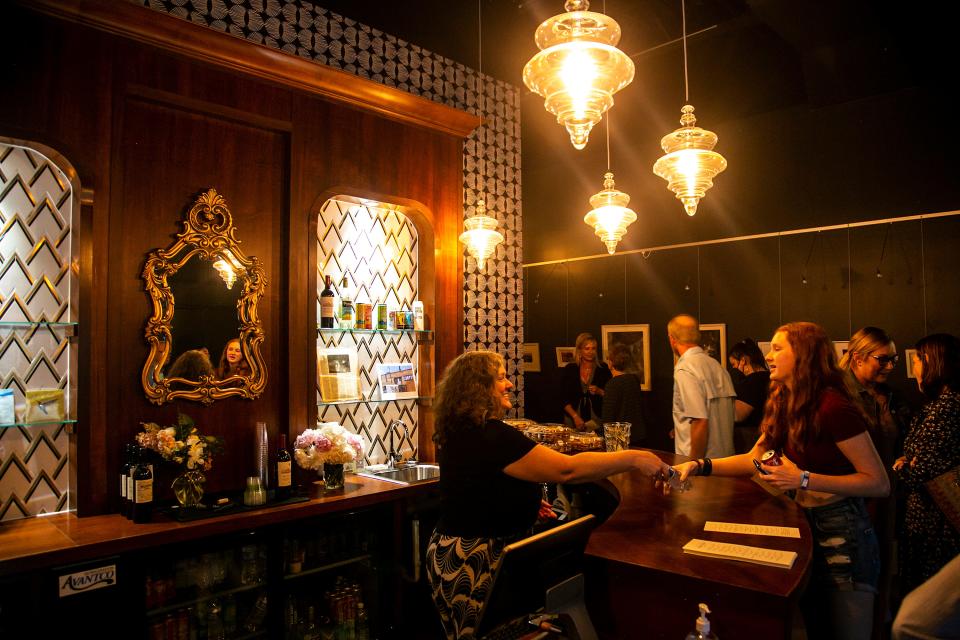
<point x="813" y="423"/>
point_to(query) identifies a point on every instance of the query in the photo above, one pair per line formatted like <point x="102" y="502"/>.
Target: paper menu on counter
<point x="752" y="529"/>
<point x="741" y="552"/>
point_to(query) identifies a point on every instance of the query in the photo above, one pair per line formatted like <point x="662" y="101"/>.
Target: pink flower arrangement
<point x="181" y="444"/>
<point x="329" y="443"/>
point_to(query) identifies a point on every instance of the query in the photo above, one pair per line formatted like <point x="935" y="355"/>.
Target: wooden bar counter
<point x="640" y="583"/>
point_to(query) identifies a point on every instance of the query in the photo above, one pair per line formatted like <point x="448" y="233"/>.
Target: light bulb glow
<point x="690" y="163"/>
<point x="610" y="216"/>
<point x="578" y="68"/>
<point x="481" y="235"/>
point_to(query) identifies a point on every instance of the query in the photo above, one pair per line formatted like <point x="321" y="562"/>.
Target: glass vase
<point x="332" y="476"/>
<point x="188" y="488"/>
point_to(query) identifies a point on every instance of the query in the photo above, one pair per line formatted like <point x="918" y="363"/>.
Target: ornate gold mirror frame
<point x="208" y="233"/>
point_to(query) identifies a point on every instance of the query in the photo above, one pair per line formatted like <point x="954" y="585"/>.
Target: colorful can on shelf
<point x="364" y="315"/>
<point x="381" y="317"/>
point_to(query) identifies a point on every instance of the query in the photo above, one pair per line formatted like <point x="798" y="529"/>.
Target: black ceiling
<point x="802" y="94"/>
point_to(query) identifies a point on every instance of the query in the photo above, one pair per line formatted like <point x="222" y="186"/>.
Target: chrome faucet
<point x="394" y="456"/>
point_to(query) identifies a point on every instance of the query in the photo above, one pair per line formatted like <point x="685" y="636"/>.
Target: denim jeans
<point x="846" y="554"/>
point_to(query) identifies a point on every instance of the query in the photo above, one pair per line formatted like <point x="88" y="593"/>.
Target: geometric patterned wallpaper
<point x="377" y="249"/>
<point x="493" y="300"/>
<point x="36" y="287"/>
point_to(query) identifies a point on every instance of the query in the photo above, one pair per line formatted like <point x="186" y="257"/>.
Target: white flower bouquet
<point x="329" y="443"/>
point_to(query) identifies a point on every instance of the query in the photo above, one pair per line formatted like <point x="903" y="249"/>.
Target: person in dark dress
<point x="490" y="475"/>
<point x="932" y="447"/>
<point x="623" y="396"/>
<point x="751" y="387"/>
<point x="581" y="385"/>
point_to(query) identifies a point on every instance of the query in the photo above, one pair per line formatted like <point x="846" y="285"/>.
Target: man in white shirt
<point x="703" y="395"/>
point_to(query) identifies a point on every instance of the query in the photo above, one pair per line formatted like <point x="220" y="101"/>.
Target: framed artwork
<point x="565" y="356"/>
<point x="531" y="357"/>
<point x="396" y="380"/>
<point x="636" y="338"/>
<point x="909" y="355"/>
<point x="713" y="339"/>
<point x="764" y="348"/>
<point x="840" y="347"/>
<point x="337" y="375"/>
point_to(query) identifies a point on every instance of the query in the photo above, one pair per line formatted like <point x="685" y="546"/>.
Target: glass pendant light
<point x="690" y="163"/>
<point x="481" y="235"/>
<point x="578" y="68"/>
<point x="610" y="216"/>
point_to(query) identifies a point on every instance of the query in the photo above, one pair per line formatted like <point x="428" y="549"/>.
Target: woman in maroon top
<point x="489" y="484"/>
<point x="829" y="461"/>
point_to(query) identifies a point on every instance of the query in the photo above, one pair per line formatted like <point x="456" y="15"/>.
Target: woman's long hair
<point x="789" y="415"/>
<point x="242" y="369"/>
<point x="940" y="353"/>
<point x="865" y="342"/>
<point x="465" y="393"/>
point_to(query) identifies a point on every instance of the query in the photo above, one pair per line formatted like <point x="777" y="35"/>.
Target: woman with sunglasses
<point x="870" y="359"/>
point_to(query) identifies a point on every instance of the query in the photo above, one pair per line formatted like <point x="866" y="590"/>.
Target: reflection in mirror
<point x="209" y="348"/>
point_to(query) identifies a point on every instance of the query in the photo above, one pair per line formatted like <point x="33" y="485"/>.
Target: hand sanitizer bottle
<point x="703" y="626"/>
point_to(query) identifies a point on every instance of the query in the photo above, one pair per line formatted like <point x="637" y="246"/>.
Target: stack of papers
<point x="743" y="553"/>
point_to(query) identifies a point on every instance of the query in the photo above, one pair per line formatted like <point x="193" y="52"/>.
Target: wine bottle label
<point x="129" y="491"/>
<point x="144" y="491"/>
<point x="123" y="485"/>
<point x="283" y="474"/>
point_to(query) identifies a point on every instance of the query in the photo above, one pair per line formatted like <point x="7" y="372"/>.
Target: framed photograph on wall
<point x="636" y="338"/>
<point x="713" y="339"/>
<point x="396" y="380"/>
<point x="840" y="347"/>
<point x="565" y="356"/>
<point x="531" y="357"/>
<point x="909" y="355"/>
<point x="337" y="375"/>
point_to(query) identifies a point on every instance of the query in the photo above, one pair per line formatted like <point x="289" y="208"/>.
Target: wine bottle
<point x="327" y="305"/>
<point x="284" y="469"/>
<point x="142" y="490"/>
<point x="124" y="477"/>
<point x="134" y="456"/>
<point x="346" y="305"/>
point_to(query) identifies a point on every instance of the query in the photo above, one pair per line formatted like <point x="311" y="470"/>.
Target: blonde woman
<point x="490" y="475"/>
<point x="581" y="385"/>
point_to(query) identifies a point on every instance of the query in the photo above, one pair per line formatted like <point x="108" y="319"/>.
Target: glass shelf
<point x="423" y="335"/>
<point x="37" y="423"/>
<point x="426" y="400"/>
<point x="327" y="567"/>
<point x="69" y="327"/>
<point x="207" y="596"/>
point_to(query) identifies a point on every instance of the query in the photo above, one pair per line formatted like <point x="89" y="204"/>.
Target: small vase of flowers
<point x="327" y="447"/>
<point x="184" y="446"/>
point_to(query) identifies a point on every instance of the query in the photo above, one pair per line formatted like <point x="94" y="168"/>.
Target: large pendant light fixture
<point x="481" y="235"/>
<point x="578" y="68"/>
<point x="690" y="163"/>
<point x="610" y="216"/>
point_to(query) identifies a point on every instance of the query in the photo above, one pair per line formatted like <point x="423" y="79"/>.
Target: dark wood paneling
<point x="147" y="129"/>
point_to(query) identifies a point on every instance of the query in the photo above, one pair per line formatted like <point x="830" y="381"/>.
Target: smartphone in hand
<point x="760" y="468"/>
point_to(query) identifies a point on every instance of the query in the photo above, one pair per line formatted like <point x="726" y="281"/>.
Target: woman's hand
<point x="686" y="469"/>
<point x="595" y="390"/>
<point x="546" y="511"/>
<point x="783" y="476"/>
<point x="901" y="462"/>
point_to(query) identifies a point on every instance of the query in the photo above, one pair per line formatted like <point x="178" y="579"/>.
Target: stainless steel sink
<point x="407" y="475"/>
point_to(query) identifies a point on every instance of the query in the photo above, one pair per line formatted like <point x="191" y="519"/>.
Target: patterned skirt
<point x="460" y="571"/>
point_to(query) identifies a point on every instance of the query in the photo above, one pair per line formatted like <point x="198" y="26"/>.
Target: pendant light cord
<point x="607" y="123"/>
<point x="483" y="160"/>
<point x="686" y="80"/>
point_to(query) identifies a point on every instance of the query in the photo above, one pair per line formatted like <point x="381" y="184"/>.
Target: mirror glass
<point x="204" y="334"/>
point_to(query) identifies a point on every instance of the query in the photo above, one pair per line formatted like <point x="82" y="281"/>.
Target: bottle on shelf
<point x="284" y="469"/>
<point x="128" y="504"/>
<point x="254" y="619"/>
<point x="327" y="305"/>
<point x="702" y="631"/>
<point x="362" y="624"/>
<point x="142" y="490"/>
<point x="215" y="629"/>
<point x="419" y="322"/>
<point x="346" y="305"/>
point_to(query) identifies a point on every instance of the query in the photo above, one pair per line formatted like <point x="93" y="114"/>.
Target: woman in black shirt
<point x="751" y="388"/>
<point x="489" y="484"/>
